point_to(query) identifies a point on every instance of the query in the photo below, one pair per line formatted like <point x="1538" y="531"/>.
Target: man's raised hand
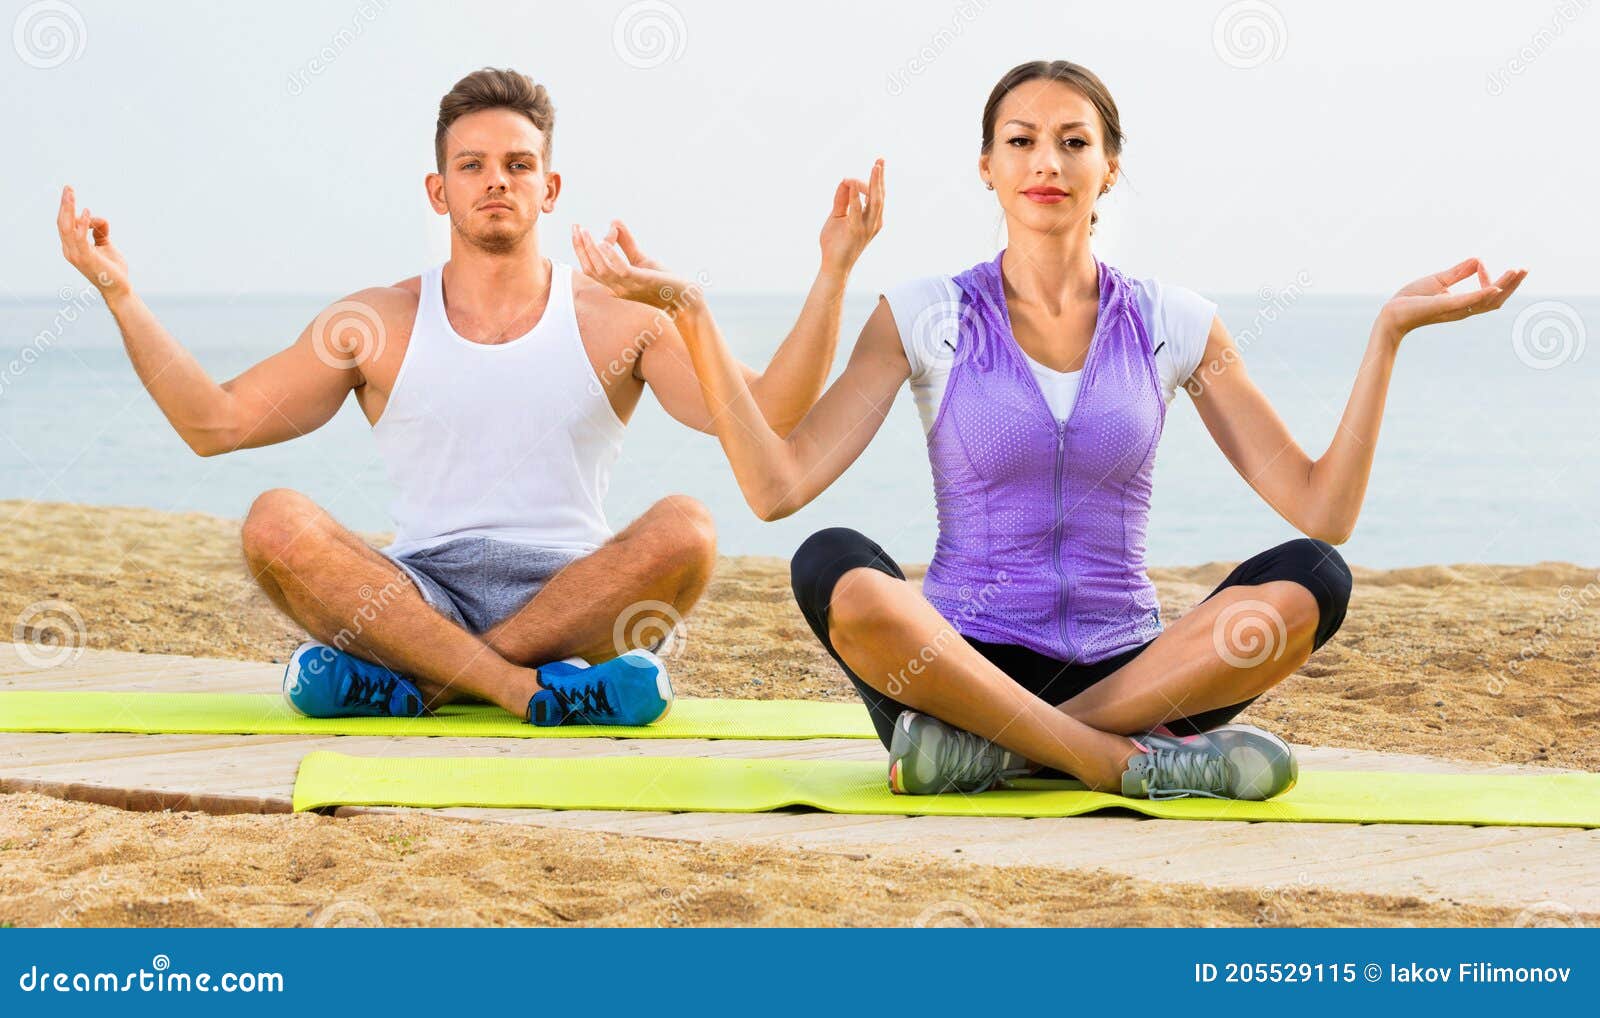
<point x="86" y="243"/>
<point x="856" y="218"/>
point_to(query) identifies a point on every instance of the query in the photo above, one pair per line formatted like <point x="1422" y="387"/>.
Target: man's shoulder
<point x="395" y="304"/>
<point x="402" y="296"/>
<point x="412" y="286"/>
<point x="602" y="315"/>
<point x="377" y="321"/>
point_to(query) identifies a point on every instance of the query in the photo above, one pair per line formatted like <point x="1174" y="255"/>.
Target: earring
<point x="988" y="185"/>
<point x="1106" y="189"/>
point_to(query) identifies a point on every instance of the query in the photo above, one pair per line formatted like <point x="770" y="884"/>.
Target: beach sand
<point x="1470" y="661"/>
<point x="72" y="864"/>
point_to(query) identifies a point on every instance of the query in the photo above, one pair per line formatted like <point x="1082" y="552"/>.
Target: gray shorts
<point x="478" y="581"/>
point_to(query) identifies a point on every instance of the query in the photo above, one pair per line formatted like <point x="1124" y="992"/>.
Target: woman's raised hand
<point x="619" y="265"/>
<point x="86" y="243"/>
<point x="856" y="218"/>
<point x="1429" y="300"/>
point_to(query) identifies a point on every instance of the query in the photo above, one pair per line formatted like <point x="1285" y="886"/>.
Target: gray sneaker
<point x="927" y="756"/>
<point x="1229" y="762"/>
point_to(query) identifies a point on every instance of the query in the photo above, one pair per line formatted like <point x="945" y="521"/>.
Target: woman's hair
<point x="1076" y="77"/>
<point x="493" y="88"/>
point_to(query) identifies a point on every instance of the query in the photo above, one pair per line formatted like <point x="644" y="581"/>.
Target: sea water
<point x="1489" y="449"/>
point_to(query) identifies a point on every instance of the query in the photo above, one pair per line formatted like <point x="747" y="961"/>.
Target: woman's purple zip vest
<point x="1042" y="523"/>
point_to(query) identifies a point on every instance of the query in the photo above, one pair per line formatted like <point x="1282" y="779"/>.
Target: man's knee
<point x="691" y="530"/>
<point x="276" y="525"/>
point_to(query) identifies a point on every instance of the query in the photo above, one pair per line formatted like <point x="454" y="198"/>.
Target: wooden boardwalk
<point x="1544" y="869"/>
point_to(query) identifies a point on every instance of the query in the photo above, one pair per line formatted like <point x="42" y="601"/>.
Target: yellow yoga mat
<point x="698" y="784"/>
<point x="267" y="714"/>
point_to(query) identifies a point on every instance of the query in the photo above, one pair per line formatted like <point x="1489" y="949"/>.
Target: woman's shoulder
<point x="1161" y="298"/>
<point x="927" y="314"/>
<point x="1174" y="313"/>
<point x="921" y="292"/>
<point x="1178" y="321"/>
<point x="944" y="292"/>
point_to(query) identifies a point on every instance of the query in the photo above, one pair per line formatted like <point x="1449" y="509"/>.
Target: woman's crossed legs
<point x="1074" y="718"/>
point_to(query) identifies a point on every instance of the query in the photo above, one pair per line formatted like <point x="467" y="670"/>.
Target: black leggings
<point x="829" y="554"/>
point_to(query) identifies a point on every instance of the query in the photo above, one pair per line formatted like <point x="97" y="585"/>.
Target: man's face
<point x="495" y="182"/>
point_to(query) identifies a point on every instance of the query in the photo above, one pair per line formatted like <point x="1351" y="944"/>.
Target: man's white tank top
<point x="513" y="441"/>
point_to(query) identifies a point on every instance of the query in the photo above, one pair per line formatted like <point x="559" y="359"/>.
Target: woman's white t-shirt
<point x="928" y="311"/>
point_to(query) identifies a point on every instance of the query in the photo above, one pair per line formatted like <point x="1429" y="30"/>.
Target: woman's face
<point x="1048" y="163"/>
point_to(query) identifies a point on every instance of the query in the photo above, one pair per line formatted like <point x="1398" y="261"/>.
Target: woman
<point x="1042" y="378"/>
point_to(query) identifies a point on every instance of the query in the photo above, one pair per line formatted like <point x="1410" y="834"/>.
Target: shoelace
<point x="589" y="700"/>
<point x="372" y="692"/>
<point x="1185" y="773"/>
<point x="969" y="760"/>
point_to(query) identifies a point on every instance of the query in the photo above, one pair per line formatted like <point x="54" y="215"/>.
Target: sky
<point x="281" y="148"/>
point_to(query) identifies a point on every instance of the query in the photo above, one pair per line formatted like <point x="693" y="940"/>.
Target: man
<point x="498" y="386"/>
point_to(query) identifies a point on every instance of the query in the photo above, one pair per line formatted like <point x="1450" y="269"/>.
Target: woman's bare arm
<point x="780" y="475"/>
<point x="1322" y="498"/>
<point x="793" y="380"/>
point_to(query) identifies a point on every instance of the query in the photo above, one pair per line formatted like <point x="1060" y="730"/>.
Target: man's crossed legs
<point x="351" y="597"/>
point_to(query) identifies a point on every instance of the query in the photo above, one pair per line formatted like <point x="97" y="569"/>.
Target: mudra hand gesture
<point x="86" y="243"/>
<point x="619" y="265"/>
<point x="617" y="262"/>
<point x="1429" y="301"/>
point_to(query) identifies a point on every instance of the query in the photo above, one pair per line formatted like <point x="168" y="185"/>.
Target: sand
<point x="1468" y="661"/>
<point x="72" y="864"/>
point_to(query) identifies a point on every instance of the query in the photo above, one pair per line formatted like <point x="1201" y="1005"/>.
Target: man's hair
<point x="495" y="88"/>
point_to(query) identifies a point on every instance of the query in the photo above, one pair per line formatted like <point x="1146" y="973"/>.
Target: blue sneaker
<point x="322" y="682"/>
<point x="629" y="690"/>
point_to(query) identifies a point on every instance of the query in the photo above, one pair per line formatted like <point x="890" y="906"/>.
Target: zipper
<point x="1100" y="325"/>
<point x="1060" y="528"/>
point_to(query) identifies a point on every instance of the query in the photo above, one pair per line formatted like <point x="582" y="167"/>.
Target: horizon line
<point x="50" y="298"/>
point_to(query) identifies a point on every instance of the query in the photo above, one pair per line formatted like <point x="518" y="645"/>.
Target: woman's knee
<point x="1318" y="566"/>
<point x="863" y="599"/>
<point x="815" y="567"/>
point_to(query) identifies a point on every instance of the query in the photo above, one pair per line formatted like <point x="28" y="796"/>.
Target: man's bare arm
<point x="288" y="394"/>
<point x="793" y="380"/>
<point x="784" y="393"/>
